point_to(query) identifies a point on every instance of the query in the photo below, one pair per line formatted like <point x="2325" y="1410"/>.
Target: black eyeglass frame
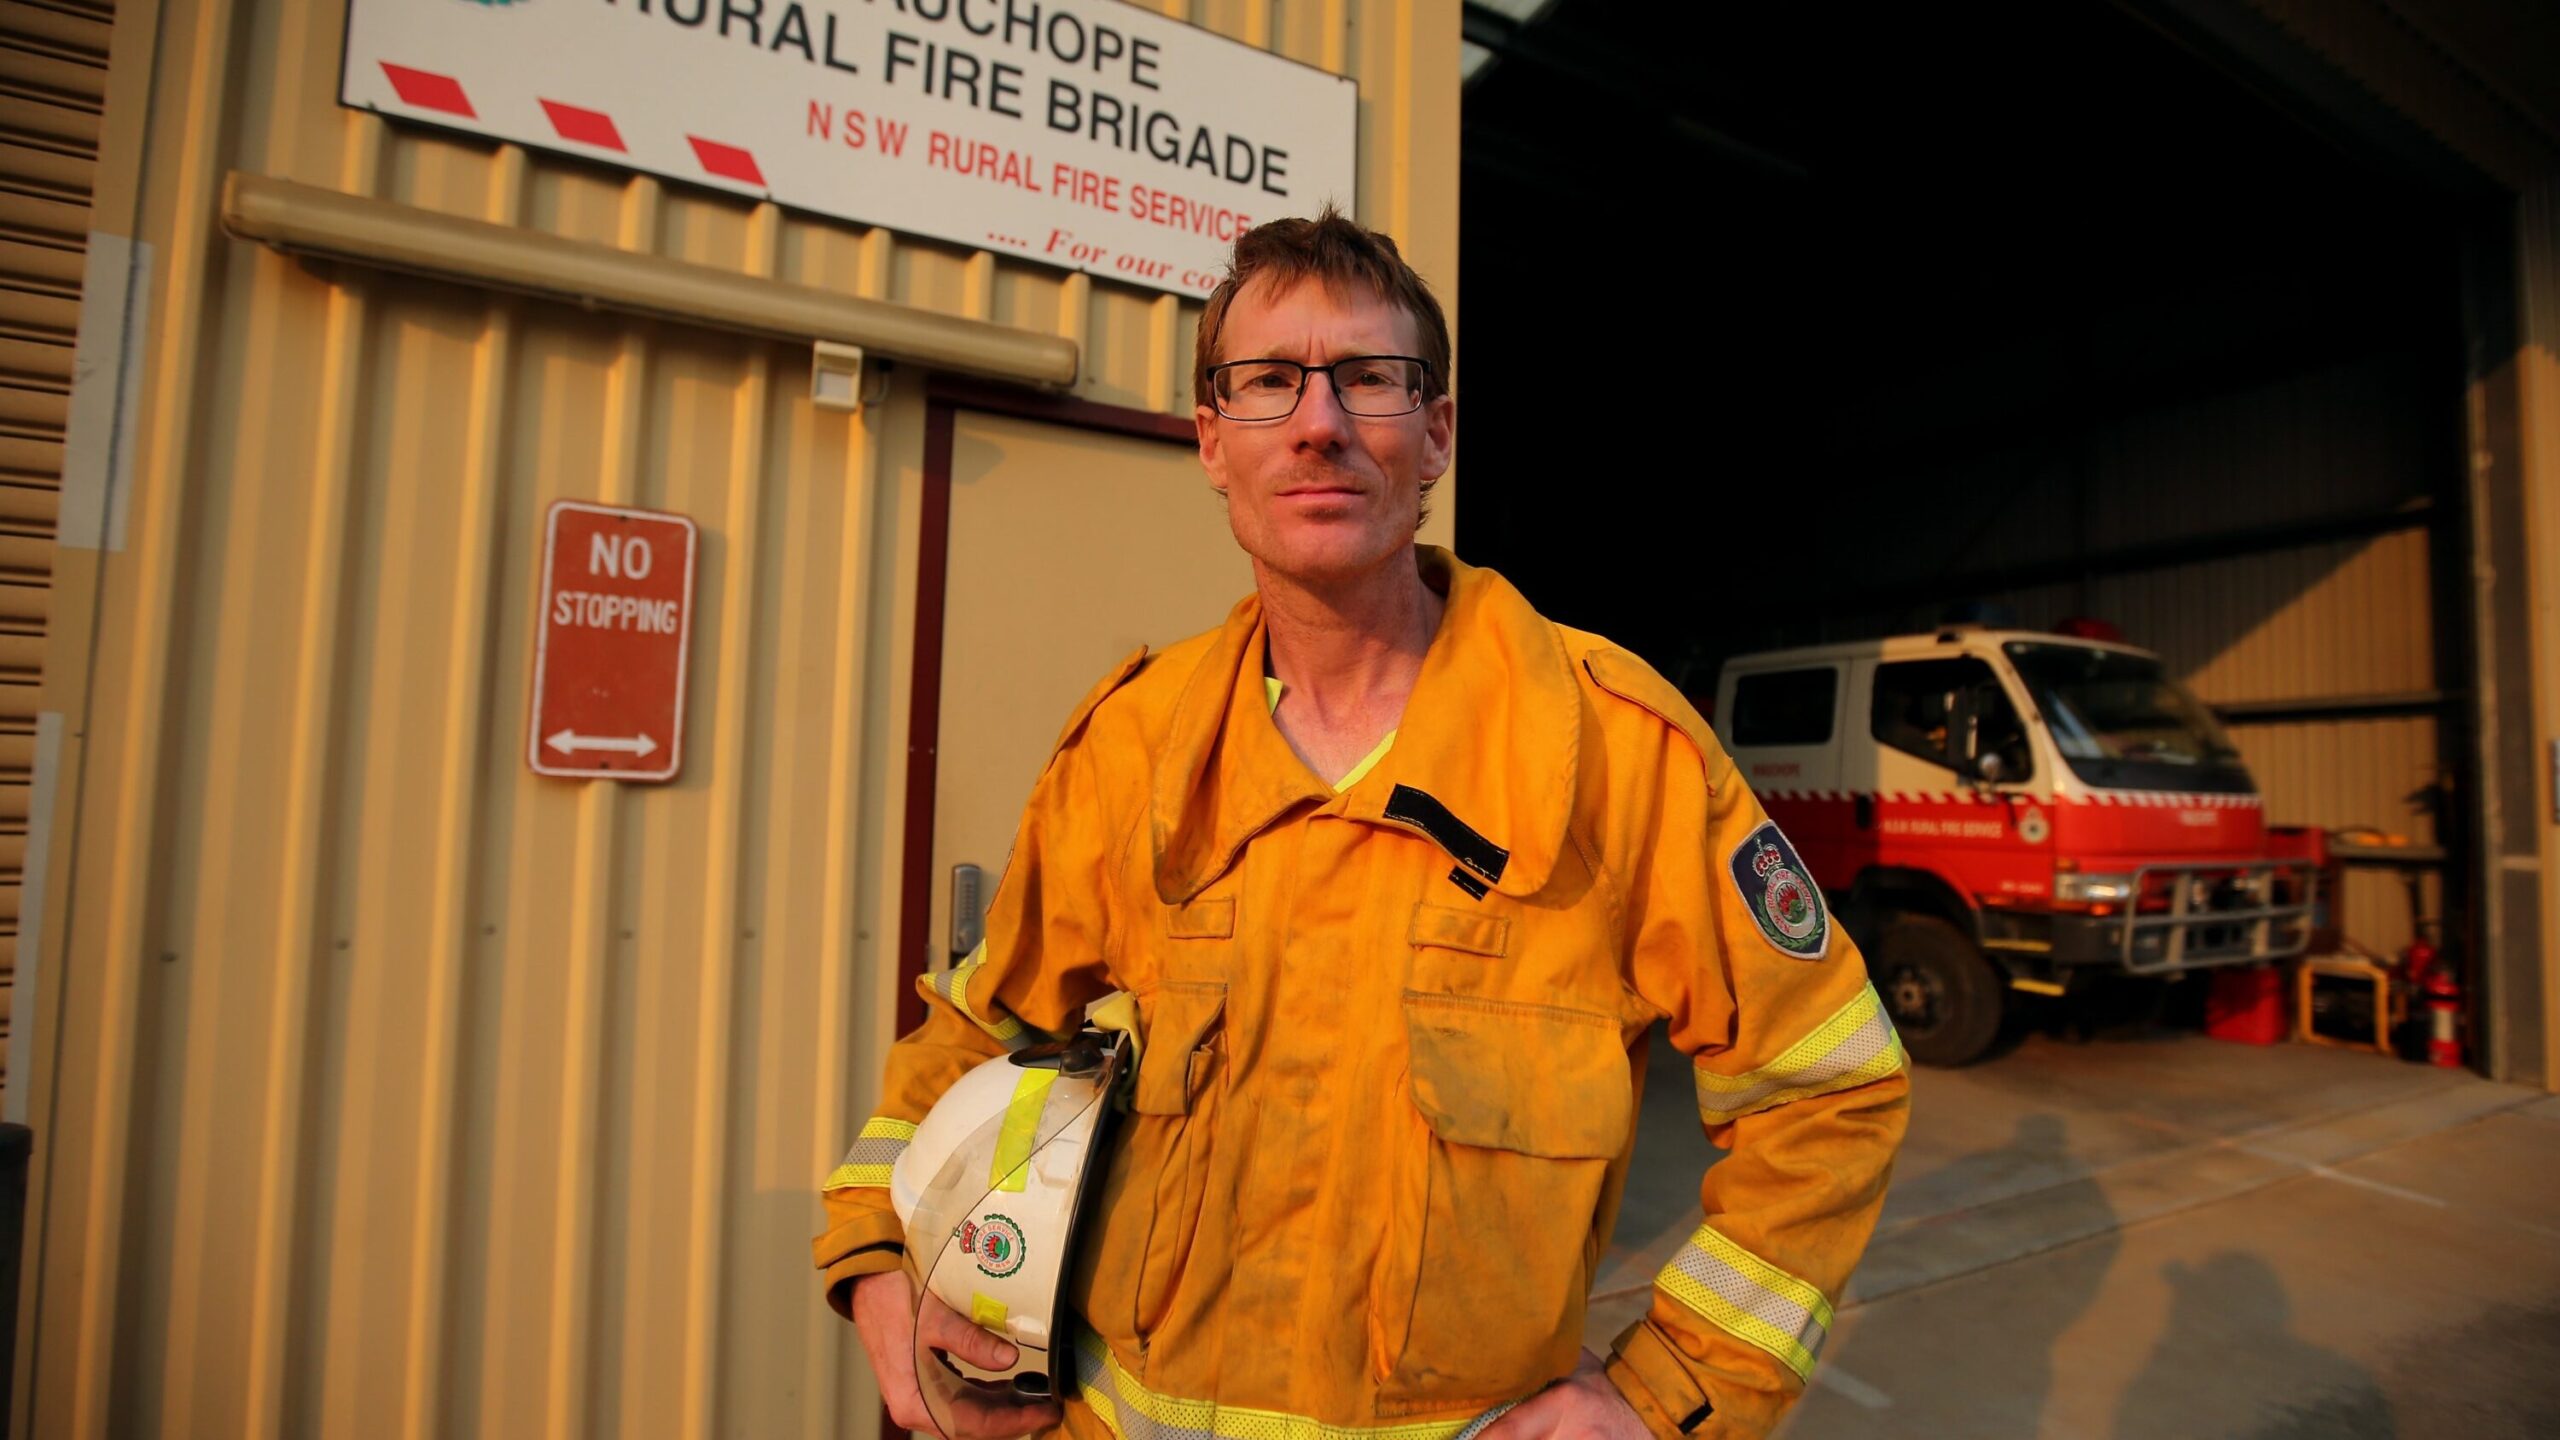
<point x="1425" y="388"/>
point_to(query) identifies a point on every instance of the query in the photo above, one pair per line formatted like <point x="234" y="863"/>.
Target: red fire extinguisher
<point x="2444" y="1015"/>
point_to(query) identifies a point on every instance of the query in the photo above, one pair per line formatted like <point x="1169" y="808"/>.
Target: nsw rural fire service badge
<point x="995" y="1242"/>
<point x="1779" y="893"/>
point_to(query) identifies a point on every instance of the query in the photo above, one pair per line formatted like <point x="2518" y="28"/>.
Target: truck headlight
<point x="2073" y="888"/>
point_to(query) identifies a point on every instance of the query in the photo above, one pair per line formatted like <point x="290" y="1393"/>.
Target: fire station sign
<point x="608" y="660"/>
<point x="1088" y="134"/>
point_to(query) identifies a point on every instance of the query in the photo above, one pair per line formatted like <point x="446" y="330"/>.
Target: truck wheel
<point x="1943" y="996"/>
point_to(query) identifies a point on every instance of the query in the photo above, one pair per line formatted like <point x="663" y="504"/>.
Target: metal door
<point x="1070" y="545"/>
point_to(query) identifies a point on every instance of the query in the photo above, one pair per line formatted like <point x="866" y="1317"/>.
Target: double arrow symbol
<point x="570" y="742"/>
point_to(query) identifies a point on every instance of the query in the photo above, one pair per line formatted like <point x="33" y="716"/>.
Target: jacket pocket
<point x="1483" y="1277"/>
<point x="1150" y="1210"/>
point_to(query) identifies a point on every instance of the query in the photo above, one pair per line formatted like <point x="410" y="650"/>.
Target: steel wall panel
<point x="400" y="1091"/>
<point x="2318" y="621"/>
<point x="53" y="81"/>
<point x="2308" y="623"/>
<point x="2382" y="773"/>
<point x="2519" y="1036"/>
<point x="2345" y="438"/>
<point x="2340" y="439"/>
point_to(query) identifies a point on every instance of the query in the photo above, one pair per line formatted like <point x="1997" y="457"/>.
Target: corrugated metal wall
<point x="53" y="82"/>
<point x="399" y="1092"/>
<point x="2538" y="382"/>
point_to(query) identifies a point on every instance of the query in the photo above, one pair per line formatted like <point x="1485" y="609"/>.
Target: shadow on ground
<point x="2231" y="1316"/>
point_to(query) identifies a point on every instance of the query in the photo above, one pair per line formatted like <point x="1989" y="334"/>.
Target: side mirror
<point x="1990" y="768"/>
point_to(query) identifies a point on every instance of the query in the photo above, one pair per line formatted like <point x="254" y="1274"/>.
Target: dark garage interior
<point x="1785" y="328"/>
<point x="1881" y="312"/>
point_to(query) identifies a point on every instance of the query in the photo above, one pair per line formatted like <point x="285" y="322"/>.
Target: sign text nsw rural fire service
<point x="609" y="657"/>
<point x="1089" y="134"/>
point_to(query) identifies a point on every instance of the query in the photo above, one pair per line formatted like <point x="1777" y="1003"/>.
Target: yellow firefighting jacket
<point x="1395" y="1042"/>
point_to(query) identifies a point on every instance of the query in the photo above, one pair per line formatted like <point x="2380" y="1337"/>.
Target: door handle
<point x="968" y="909"/>
<point x="1865" y="810"/>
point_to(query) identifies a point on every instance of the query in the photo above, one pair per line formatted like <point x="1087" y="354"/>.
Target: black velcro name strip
<point x="1474" y="887"/>
<point x="1419" y="810"/>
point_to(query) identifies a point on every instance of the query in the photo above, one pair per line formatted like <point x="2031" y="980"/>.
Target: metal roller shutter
<point x="53" y="80"/>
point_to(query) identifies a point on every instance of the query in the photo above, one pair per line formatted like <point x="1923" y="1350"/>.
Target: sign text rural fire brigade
<point x="1084" y="133"/>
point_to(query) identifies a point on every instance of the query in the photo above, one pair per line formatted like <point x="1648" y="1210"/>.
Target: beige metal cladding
<point x="2347" y="618"/>
<point x="53" y="80"/>
<point x="395" y="1091"/>
<point x="314" y="220"/>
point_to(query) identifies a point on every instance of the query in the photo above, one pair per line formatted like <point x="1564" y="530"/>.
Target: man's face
<point x="1322" y="495"/>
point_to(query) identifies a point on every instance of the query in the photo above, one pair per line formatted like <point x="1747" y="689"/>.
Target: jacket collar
<point x="1490" y="741"/>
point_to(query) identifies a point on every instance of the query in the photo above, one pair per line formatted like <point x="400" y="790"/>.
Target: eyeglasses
<point x="1370" y="385"/>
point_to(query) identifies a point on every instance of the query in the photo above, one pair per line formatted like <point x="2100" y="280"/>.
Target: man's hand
<point x="1582" y="1404"/>
<point x="884" y="1310"/>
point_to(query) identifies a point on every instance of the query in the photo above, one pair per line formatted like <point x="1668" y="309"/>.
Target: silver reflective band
<point x="1748" y="1298"/>
<point x="882" y="1141"/>
<point x="1856" y="1045"/>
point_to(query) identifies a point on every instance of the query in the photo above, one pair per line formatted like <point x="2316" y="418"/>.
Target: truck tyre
<point x="1944" y="998"/>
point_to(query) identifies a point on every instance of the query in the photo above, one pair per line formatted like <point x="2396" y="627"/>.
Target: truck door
<point x="1940" y="730"/>
<point x="1783" y="729"/>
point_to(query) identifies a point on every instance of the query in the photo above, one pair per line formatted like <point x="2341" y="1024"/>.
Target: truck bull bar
<point x="2220" y="913"/>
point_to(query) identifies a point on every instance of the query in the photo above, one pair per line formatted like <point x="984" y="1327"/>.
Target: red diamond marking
<point x="429" y="91"/>
<point x="587" y="127"/>
<point x="727" y="161"/>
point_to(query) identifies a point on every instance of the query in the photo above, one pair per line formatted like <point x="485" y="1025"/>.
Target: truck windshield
<point x="2119" y="720"/>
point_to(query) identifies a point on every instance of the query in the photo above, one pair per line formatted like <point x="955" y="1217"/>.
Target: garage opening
<point x="1788" y="332"/>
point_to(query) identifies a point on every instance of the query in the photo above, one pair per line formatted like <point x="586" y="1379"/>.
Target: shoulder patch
<point x="1129" y="665"/>
<point x="1782" y="898"/>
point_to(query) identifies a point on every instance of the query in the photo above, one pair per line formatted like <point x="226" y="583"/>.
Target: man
<point x="1399" y="874"/>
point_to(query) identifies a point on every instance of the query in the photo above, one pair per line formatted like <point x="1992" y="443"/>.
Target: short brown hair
<point x="1342" y="254"/>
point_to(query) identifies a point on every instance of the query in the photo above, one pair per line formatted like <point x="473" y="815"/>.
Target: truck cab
<point x="1994" y="811"/>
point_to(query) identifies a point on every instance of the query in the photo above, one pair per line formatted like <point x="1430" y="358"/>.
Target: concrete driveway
<point x="2157" y="1235"/>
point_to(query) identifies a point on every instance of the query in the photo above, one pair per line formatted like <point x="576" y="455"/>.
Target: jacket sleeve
<point x="1041" y="963"/>
<point x="1799" y="1076"/>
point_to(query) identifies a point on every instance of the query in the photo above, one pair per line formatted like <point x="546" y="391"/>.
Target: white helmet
<point x="990" y="1190"/>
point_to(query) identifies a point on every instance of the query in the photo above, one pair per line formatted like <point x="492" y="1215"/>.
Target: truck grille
<point x="2189" y="916"/>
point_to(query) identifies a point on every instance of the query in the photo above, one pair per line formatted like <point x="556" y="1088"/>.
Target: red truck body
<point x="2062" y="805"/>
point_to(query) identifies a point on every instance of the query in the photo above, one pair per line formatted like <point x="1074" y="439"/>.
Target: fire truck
<point x="1995" y="811"/>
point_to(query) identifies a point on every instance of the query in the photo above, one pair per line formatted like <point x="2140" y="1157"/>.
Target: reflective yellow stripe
<point x="1855" y="1046"/>
<point x="1366" y="765"/>
<point x="1749" y="1298"/>
<point x="952" y="987"/>
<point x="1012" y="1168"/>
<point x="848" y="1177"/>
<point x="986" y="1314"/>
<point x="874" y="1152"/>
<point x="1133" y="1412"/>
